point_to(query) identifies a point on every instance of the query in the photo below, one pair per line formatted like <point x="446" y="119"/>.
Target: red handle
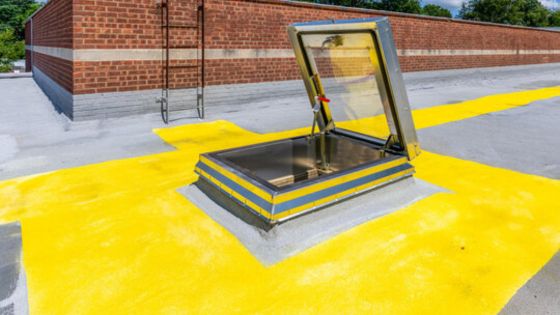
<point x="323" y="99"/>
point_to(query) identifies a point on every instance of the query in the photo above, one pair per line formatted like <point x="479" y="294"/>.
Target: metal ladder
<point x="167" y="67"/>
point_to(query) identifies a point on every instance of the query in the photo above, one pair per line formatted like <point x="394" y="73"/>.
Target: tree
<point x="497" y="11"/>
<point x="10" y="49"/>
<point x="554" y="18"/>
<point x="369" y="4"/>
<point x="407" y="6"/>
<point x="516" y="12"/>
<point x="435" y="10"/>
<point x="535" y="13"/>
<point x="13" y="14"/>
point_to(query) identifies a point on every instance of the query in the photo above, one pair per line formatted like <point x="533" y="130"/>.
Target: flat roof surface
<point x="104" y="226"/>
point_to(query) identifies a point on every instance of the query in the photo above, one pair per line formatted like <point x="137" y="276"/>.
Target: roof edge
<point x="363" y="10"/>
<point x="36" y="11"/>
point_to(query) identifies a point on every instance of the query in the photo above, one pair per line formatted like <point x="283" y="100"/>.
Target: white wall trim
<point x="61" y="53"/>
<point x="474" y="52"/>
<point x="215" y="54"/>
<point x="157" y="54"/>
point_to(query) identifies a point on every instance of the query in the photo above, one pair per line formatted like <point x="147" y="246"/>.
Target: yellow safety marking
<point x="236" y="195"/>
<point x="238" y="180"/>
<point x="340" y="195"/>
<point x="336" y="181"/>
<point x="315" y="203"/>
<point x="298" y="193"/>
<point x="228" y="134"/>
<point x="373" y="126"/>
<point x="432" y="116"/>
<point x="118" y="236"/>
<point x="437" y="115"/>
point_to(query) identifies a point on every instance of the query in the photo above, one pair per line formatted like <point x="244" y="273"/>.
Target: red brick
<point x="246" y="24"/>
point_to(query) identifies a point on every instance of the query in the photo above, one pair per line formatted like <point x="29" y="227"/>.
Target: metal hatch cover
<point x="362" y="135"/>
<point x="352" y="75"/>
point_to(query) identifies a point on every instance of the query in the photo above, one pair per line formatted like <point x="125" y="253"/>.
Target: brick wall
<point x="262" y="24"/>
<point x="52" y="27"/>
<point x="59" y="70"/>
<point x="234" y="24"/>
<point x="422" y="63"/>
<point x="257" y="26"/>
<point x="118" y="24"/>
<point x="245" y="24"/>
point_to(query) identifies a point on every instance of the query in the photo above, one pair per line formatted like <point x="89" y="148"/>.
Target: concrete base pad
<point x="297" y="235"/>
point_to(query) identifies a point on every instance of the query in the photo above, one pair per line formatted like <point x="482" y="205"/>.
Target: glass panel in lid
<point x="349" y="69"/>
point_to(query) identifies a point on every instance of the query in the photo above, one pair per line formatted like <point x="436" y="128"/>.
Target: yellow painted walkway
<point x="116" y="237"/>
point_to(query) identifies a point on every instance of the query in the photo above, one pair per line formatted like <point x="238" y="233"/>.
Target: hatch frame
<point x="241" y="189"/>
<point x="394" y="97"/>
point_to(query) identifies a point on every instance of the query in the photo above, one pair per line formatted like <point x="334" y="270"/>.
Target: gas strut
<point x="324" y="165"/>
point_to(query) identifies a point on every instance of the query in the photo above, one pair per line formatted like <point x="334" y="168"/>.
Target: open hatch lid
<point x="352" y="75"/>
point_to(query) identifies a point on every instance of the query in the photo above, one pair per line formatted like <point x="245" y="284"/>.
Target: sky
<point x="455" y="5"/>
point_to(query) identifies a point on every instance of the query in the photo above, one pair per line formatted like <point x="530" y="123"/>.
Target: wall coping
<point x="330" y="7"/>
<point x="29" y="18"/>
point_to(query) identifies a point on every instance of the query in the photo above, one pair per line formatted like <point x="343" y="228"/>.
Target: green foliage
<point x="10" y="49"/>
<point x="497" y="11"/>
<point x="515" y="12"/>
<point x="435" y="10"/>
<point x="554" y="18"/>
<point x="535" y="13"/>
<point x="370" y="4"/>
<point x="407" y="6"/>
<point x="13" y="14"/>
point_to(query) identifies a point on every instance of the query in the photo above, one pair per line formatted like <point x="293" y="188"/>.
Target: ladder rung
<point x="182" y="47"/>
<point x="182" y="110"/>
<point x="181" y="26"/>
<point x="183" y="66"/>
<point x="182" y="87"/>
